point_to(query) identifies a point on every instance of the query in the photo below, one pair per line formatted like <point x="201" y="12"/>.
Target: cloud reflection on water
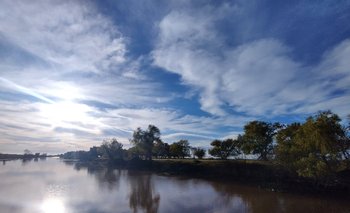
<point x="52" y="186"/>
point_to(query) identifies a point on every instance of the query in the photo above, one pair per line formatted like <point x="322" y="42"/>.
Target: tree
<point x="133" y="152"/>
<point x="95" y="152"/>
<point x="224" y="149"/>
<point x="285" y="151"/>
<point x="320" y="145"/>
<point x="346" y="141"/>
<point x="161" y="149"/>
<point x="27" y="152"/>
<point x="258" y="138"/>
<point x="144" y="140"/>
<point x="199" y="152"/>
<point x="113" y="149"/>
<point x="180" y="149"/>
<point x="315" y="148"/>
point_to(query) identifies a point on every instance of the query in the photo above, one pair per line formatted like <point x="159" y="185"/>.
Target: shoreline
<point x="259" y="174"/>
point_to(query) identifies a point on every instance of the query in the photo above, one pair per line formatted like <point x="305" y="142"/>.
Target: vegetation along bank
<point x="312" y="156"/>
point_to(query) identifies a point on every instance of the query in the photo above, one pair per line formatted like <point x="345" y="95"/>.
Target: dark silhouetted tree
<point x="27" y="152"/>
<point x="112" y="149"/>
<point x="198" y="152"/>
<point x="161" y="149"/>
<point x="95" y="152"/>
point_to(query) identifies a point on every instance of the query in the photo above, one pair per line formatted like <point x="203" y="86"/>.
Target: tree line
<point x="146" y="145"/>
<point x="317" y="147"/>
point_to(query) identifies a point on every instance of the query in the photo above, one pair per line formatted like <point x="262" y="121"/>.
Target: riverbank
<point x="261" y="174"/>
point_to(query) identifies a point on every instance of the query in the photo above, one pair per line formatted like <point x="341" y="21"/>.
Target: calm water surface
<point x="53" y="186"/>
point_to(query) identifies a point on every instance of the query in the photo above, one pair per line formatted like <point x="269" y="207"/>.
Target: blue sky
<point x="75" y="72"/>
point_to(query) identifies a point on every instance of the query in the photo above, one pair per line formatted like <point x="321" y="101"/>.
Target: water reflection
<point x="52" y="205"/>
<point x="25" y="161"/>
<point x="107" y="178"/>
<point x="54" y="186"/>
<point x="142" y="195"/>
<point x="262" y="201"/>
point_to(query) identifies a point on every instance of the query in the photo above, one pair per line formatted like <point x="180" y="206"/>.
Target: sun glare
<point x="65" y="112"/>
<point x="66" y="92"/>
<point x="53" y="205"/>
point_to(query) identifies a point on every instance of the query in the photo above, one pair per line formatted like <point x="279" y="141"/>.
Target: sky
<point x="73" y="73"/>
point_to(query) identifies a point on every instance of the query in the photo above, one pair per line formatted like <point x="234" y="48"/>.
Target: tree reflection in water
<point x="26" y="161"/>
<point x="142" y="195"/>
<point x="261" y="201"/>
<point x="107" y="178"/>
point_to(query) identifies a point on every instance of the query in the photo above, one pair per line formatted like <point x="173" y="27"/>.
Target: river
<point x="54" y="186"/>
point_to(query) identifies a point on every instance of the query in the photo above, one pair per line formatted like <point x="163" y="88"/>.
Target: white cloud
<point x="69" y="82"/>
<point x="46" y="126"/>
<point x="67" y="58"/>
<point x="334" y="67"/>
<point x="69" y="35"/>
<point x="170" y="122"/>
<point x="258" y="78"/>
<point x="72" y="52"/>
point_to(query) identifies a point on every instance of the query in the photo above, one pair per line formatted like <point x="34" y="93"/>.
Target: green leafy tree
<point x="315" y="148"/>
<point x="225" y="148"/>
<point x="180" y="149"/>
<point x="258" y="137"/>
<point x="285" y="149"/>
<point x="144" y="140"/>
<point x="319" y="144"/>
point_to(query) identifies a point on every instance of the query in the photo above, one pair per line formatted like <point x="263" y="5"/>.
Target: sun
<point x="70" y="115"/>
<point x="65" y="91"/>
<point x="53" y="205"/>
<point x="64" y="108"/>
<point x="65" y="112"/>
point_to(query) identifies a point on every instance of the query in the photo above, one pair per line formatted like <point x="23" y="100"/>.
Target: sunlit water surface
<point x="53" y="186"/>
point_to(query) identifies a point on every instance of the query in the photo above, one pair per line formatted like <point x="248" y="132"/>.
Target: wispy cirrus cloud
<point x="33" y="124"/>
<point x="67" y="100"/>
<point x="75" y="72"/>
<point x="68" y="36"/>
<point x="80" y="52"/>
<point x="67" y="62"/>
<point x="259" y="77"/>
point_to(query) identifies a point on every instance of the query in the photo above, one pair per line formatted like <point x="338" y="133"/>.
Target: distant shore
<point x="7" y="157"/>
<point x="258" y="173"/>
